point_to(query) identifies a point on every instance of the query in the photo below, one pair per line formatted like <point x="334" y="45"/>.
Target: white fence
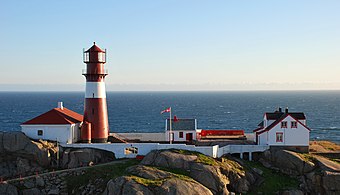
<point x="232" y="149"/>
<point x="131" y="150"/>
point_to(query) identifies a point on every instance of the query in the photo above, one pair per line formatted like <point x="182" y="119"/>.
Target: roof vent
<point x="60" y="105"/>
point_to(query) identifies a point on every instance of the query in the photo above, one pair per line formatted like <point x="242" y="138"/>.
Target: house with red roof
<point x="283" y="129"/>
<point x="59" y="124"/>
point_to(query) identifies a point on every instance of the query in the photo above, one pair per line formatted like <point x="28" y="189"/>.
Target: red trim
<point x="258" y="129"/>
<point x="278" y="133"/>
<point x="301" y="123"/>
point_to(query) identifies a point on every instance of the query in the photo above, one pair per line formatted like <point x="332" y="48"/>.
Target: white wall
<point x="176" y="135"/>
<point x="143" y="136"/>
<point x="144" y="148"/>
<point x="50" y="132"/>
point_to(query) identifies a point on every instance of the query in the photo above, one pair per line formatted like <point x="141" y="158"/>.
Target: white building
<point x="182" y="130"/>
<point x="285" y="129"/>
<point x="59" y="124"/>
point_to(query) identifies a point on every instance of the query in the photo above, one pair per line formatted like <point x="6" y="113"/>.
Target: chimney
<point x="280" y="109"/>
<point x="286" y="111"/>
<point x="60" y="105"/>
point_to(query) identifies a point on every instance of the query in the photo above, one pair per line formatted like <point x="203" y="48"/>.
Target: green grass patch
<point x="273" y="181"/>
<point x="148" y="182"/>
<point x="201" y="158"/>
<point x="233" y="165"/>
<point x="307" y="157"/>
<point x="105" y="172"/>
<point x="174" y="171"/>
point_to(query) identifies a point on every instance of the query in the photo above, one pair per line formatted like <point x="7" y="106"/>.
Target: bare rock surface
<point x="148" y="172"/>
<point x="126" y="186"/>
<point x="8" y="189"/>
<point x="21" y="156"/>
<point x="318" y="174"/>
<point x="215" y="177"/>
<point x="76" y="157"/>
<point x="169" y="159"/>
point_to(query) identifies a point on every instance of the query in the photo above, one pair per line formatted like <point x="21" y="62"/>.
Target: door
<point x="188" y="137"/>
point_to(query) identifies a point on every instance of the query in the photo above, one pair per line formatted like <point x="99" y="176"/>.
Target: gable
<point x="278" y="122"/>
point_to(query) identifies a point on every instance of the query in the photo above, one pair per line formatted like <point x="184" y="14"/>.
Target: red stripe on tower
<point x="95" y="109"/>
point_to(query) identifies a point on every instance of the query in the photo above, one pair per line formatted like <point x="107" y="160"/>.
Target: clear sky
<point x="172" y="44"/>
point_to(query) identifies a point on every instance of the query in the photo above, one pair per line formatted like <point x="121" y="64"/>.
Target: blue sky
<point x="172" y="45"/>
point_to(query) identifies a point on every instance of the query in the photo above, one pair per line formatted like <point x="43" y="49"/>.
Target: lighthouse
<point x="95" y="126"/>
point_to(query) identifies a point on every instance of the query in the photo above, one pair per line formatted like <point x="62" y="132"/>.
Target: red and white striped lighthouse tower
<point x="95" y="126"/>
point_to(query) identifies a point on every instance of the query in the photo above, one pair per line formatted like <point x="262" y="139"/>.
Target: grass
<point x="201" y="158"/>
<point x="273" y="181"/>
<point x="234" y="166"/>
<point x="148" y="182"/>
<point x="306" y="157"/>
<point x="105" y="172"/>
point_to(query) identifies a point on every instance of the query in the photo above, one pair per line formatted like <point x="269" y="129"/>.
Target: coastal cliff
<point x="90" y="171"/>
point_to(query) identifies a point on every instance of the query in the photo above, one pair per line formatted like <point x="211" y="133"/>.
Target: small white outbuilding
<point x="59" y="124"/>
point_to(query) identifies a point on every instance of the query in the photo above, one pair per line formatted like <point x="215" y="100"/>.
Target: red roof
<point x="95" y="48"/>
<point x="56" y="116"/>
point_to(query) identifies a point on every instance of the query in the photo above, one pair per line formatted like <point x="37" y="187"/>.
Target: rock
<point x="331" y="182"/>
<point x="169" y="159"/>
<point x="292" y="192"/>
<point x="126" y="186"/>
<point x="289" y="162"/>
<point x="8" y="189"/>
<point x="176" y="186"/>
<point x="76" y="157"/>
<point x="14" y="141"/>
<point x="29" y="184"/>
<point x="148" y="172"/>
<point x="54" y="191"/>
<point x="214" y="177"/>
<point x="33" y="191"/>
<point x="210" y="176"/>
<point x="39" y="181"/>
<point x="258" y="171"/>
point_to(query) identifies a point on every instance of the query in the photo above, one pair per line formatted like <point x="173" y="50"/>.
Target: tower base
<point x="100" y="140"/>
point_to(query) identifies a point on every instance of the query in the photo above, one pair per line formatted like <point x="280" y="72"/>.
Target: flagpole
<point x="170" y="136"/>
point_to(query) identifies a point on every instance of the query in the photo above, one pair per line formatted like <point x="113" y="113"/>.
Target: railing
<point x="105" y="71"/>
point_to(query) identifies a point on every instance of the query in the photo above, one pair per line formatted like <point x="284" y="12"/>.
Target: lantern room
<point x="94" y="55"/>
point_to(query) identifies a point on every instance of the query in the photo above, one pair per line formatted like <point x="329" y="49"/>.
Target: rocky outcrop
<point x="8" y="189"/>
<point x="219" y="177"/>
<point x="21" y="156"/>
<point x="152" y="181"/>
<point x="76" y="157"/>
<point x="317" y="174"/>
<point x="289" y="162"/>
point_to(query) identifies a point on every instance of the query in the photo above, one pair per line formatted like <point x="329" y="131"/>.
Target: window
<point x="294" y="124"/>
<point x="131" y="150"/>
<point x="279" y="137"/>
<point x="180" y="135"/>
<point x="40" y="132"/>
<point x="284" y="124"/>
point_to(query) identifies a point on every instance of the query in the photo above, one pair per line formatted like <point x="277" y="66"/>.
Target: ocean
<point x="140" y="111"/>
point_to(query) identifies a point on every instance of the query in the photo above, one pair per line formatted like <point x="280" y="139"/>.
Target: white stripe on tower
<point x="95" y="90"/>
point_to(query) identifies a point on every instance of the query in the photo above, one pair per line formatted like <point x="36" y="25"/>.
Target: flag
<point x="166" y="110"/>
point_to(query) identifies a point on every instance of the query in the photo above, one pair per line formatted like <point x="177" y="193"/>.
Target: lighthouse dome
<point x="95" y="48"/>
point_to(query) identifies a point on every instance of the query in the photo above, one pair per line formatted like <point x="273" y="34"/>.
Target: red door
<point x="188" y="137"/>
